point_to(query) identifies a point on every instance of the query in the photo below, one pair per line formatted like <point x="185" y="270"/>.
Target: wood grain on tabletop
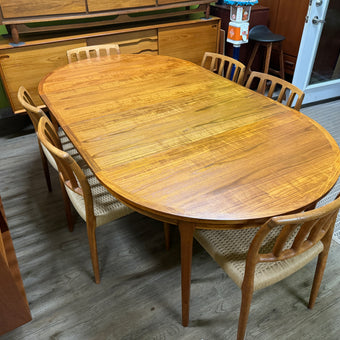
<point x="166" y="135"/>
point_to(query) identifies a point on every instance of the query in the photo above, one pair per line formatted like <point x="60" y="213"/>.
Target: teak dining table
<point x="183" y="145"/>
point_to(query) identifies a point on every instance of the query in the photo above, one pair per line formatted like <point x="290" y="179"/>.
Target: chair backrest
<point x="87" y="52"/>
<point x="223" y="65"/>
<point x="292" y="235"/>
<point x="69" y="171"/>
<point x="33" y="112"/>
<point x="276" y="84"/>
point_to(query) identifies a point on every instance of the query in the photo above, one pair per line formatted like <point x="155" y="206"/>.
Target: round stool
<point x="263" y="36"/>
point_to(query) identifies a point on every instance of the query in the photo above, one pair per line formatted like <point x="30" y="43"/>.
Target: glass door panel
<point x="327" y="61"/>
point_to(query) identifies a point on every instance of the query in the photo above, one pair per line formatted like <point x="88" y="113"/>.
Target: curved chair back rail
<point x="224" y="66"/>
<point x="32" y="110"/>
<point x="261" y="256"/>
<point x="87" y="52"/>
<point x="278" y="87"/>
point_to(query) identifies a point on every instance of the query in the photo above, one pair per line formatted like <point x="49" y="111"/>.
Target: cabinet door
<point x="106" y="5"/>
<point x="189" y="42"/>
<point x="26" y="8"/>
<point x="132" y="42"/>
<point x="28" y="65"/>
<point x="287" y="17"/>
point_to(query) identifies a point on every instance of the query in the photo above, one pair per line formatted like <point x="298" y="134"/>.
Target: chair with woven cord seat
<point x="276" y="84"/>
<point x="91" y="200"/>
<point x="223" y="65"/>
<point x="87" y="52"/>
<point x="255" y="258"/>
<point x="35" y="113"/>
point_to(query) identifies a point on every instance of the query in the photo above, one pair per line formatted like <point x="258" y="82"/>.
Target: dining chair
<point x="224" y="66"/>
<point x="87" y="52"/>
<point x="92" y="201"/>
<point x="276" y="84"/>
<point x="35" y="113"/>
<point x="255" y="258"/>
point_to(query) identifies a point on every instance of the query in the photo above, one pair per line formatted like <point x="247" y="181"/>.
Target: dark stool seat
<point x="263" y="36"/>
<point x="262" y="33"/>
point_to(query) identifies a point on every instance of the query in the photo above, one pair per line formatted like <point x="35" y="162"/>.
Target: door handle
<point x="316" y="20"/>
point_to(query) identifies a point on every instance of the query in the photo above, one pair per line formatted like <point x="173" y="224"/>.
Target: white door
<point x="317" y="70"/>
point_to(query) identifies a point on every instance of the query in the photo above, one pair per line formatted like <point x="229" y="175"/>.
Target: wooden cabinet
<point x="61" y="9"/>
<point x="287" y="17"/>
<point x="14" y="310"/>
<point x="189" y="42"/>
<point x="27" y="64"/>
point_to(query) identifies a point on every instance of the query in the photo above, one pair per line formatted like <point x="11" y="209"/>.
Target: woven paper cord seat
<point x="106" y="207"/>
<point x="229" y="249"/>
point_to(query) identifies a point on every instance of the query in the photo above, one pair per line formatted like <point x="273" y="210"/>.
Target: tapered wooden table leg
<point x="187" y="233"/>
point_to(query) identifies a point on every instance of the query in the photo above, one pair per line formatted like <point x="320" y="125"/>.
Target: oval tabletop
<point x="172" y="139"/>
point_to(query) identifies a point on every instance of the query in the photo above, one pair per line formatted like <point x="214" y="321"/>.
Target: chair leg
<point x="91" y="235"/>
<point x="247" y="294"/>
<point x="320" y="268"/>
<point x="268" y="54"/>
<point x="67" y="205"/>
<point x="282" y="64"/>
<point x="251" y="60"/>
<point x="321" y="265"/>
<point x="167" y="235"/>
<point x="45" y="167"/>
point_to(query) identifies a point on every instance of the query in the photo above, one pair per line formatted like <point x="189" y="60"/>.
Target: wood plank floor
<point x="139" y="296"/>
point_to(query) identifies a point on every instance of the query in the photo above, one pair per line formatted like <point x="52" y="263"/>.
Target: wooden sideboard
<point x="16" y="14"/>
<point x="185" y="34"/>
<point x="14" y="310"/>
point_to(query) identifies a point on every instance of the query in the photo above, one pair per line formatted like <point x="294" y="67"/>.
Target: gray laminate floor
<point x="139" y="295"/>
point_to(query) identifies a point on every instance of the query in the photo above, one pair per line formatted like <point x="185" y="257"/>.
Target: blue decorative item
<point x="238" y="29"/>
<point x="241" y="3"/>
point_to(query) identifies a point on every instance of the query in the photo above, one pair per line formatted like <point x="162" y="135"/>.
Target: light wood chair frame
<point x="225" y="66"/>
<point x="275" y="82"/>
<point x="35" y="115"/>
<point x="294" y="235"/>
<point x="88" y="52"/>
<point x="315" y="225"/>
<point x="72" y="176"/>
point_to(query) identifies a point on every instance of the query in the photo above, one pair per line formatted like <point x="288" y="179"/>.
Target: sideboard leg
<point x="207" y="11"/>
<point x="15" y="34"/>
